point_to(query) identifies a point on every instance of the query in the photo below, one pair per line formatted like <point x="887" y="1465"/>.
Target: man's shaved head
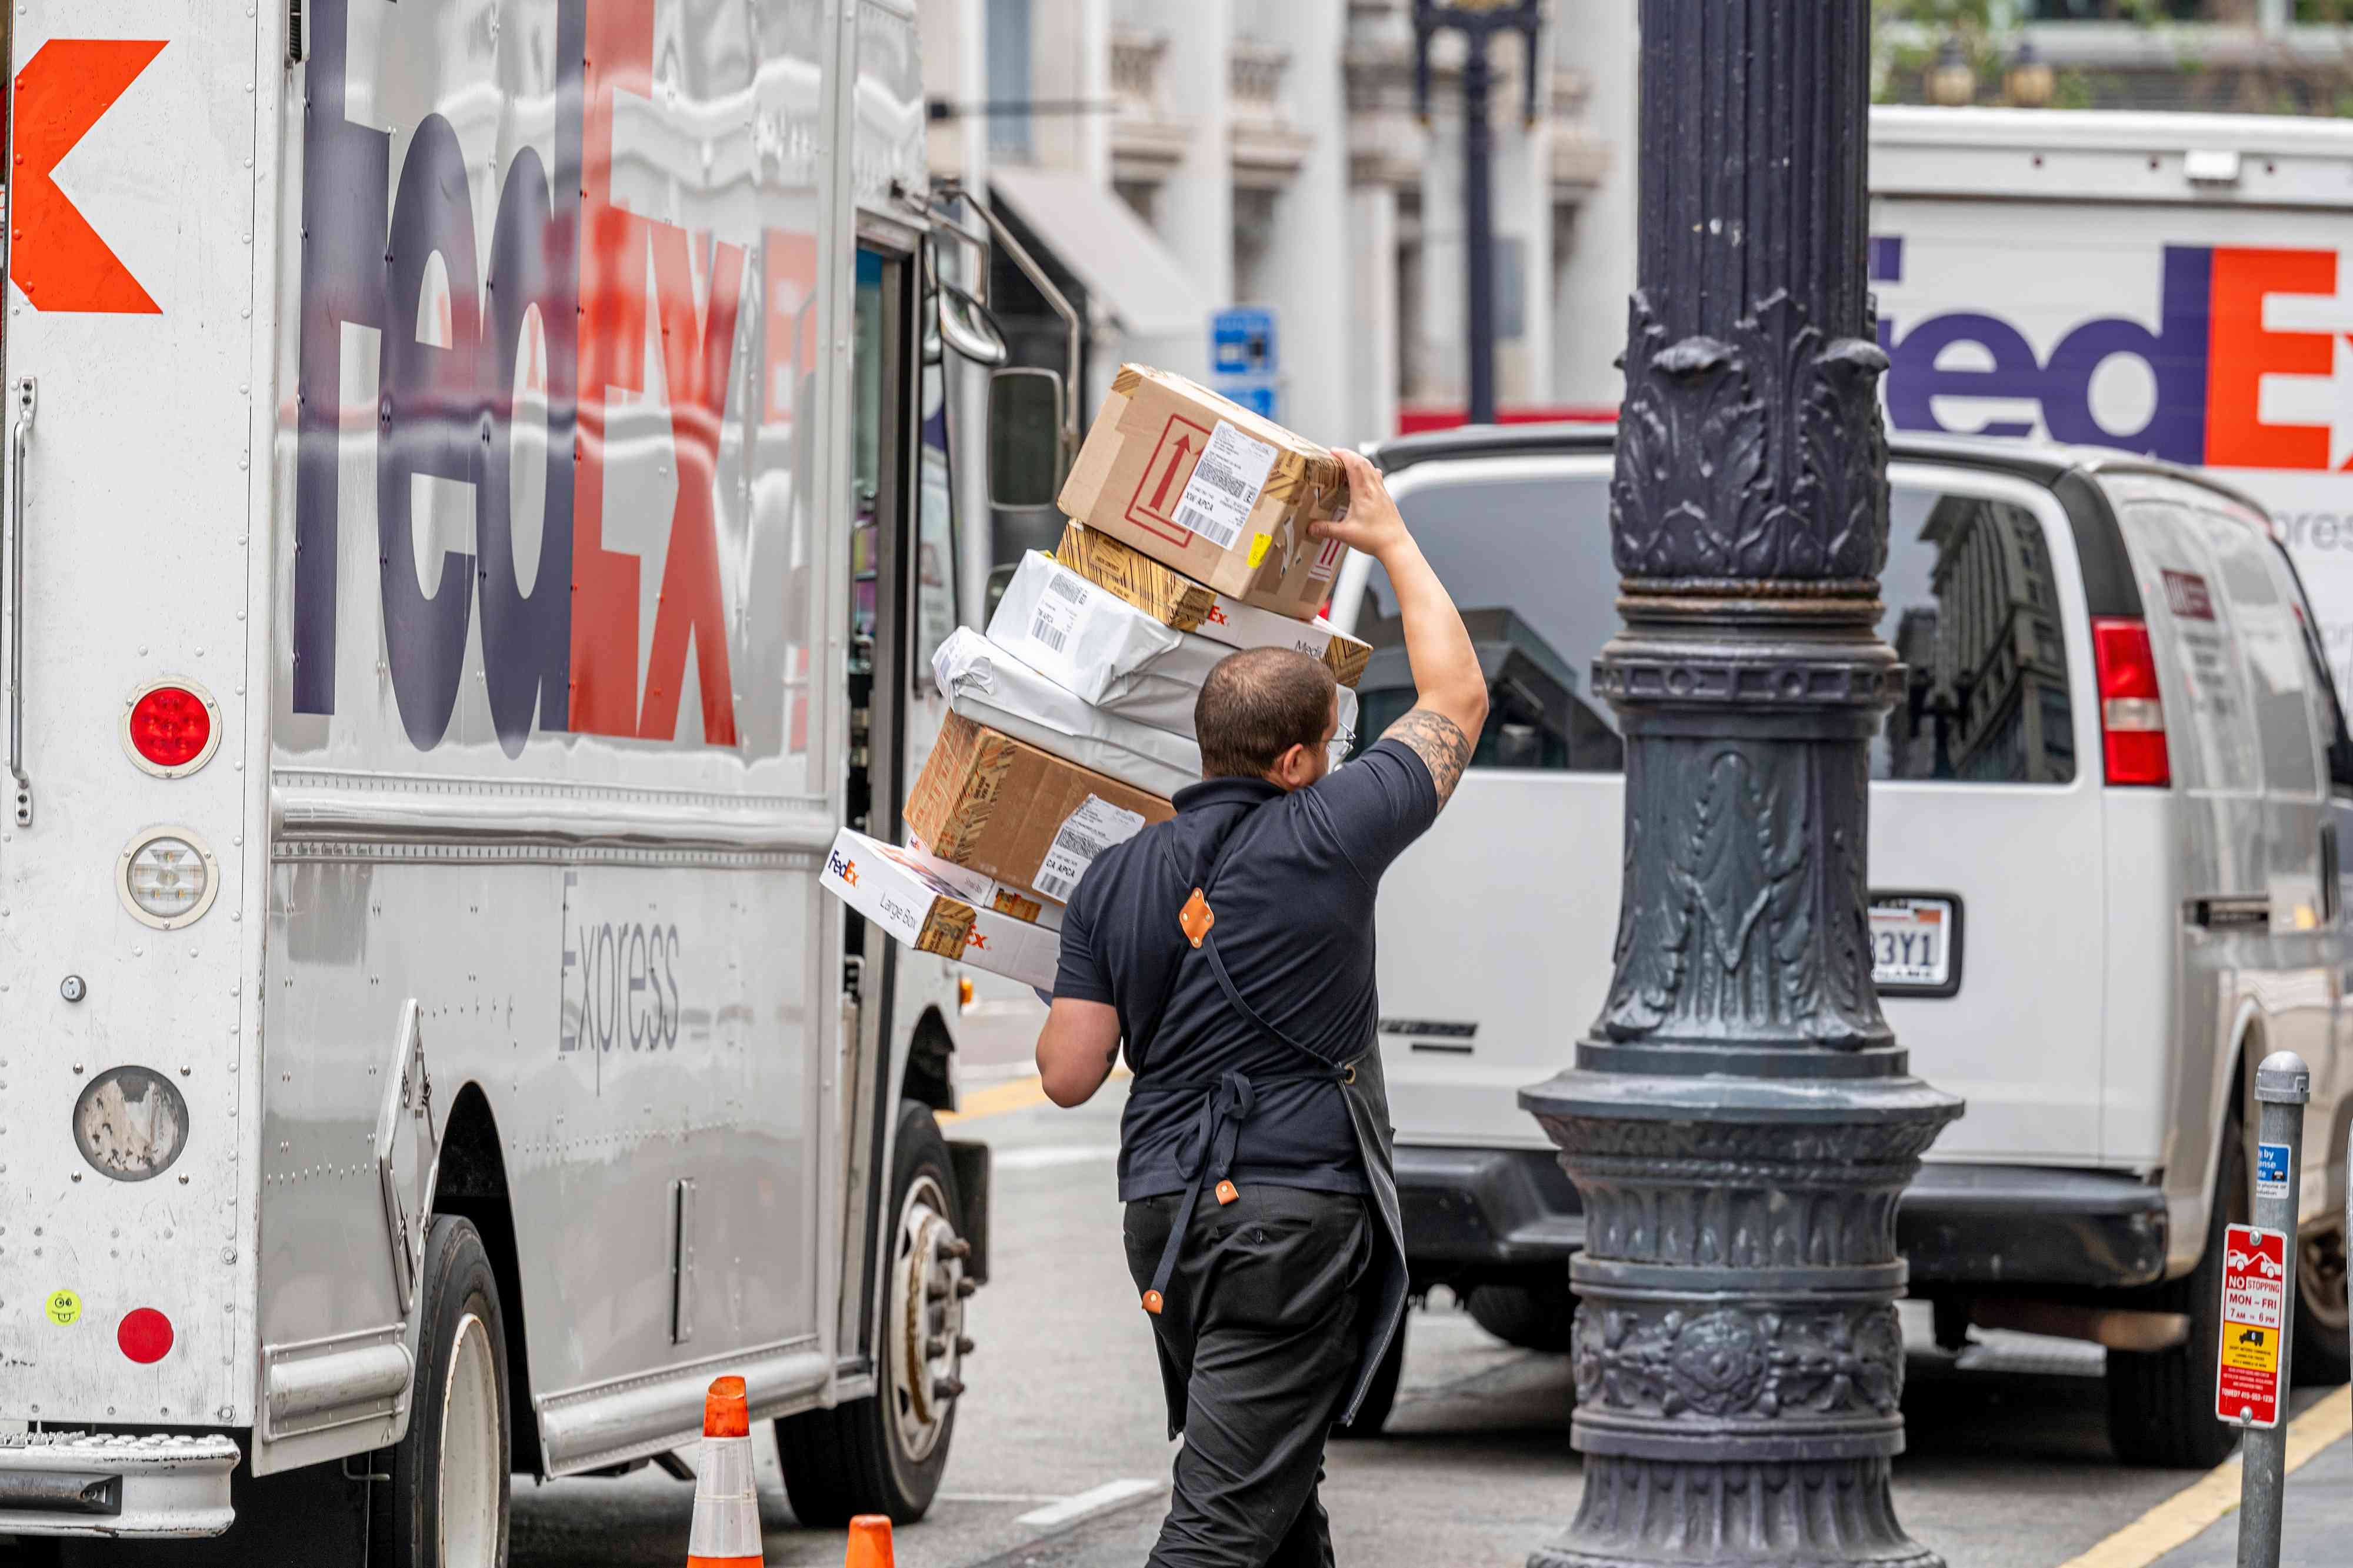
<point x="1258" y="704"/>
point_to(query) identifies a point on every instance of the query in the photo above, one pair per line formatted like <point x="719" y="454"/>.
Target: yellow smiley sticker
<point x="64" y="1307"/>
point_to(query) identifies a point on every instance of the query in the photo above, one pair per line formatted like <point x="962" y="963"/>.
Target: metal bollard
<point x="2282" y="1085"/>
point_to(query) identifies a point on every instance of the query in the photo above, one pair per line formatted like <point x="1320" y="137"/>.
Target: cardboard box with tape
<point x="1202" y="484"/>
<point x="1176" y="601"/>
<point x="1020" y="816"/>
<point x="895" y="890"/>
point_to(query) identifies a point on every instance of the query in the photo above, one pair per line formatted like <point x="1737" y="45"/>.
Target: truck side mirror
<point x="1025" y="438"/>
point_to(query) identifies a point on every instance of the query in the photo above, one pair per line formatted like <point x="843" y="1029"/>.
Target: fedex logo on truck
<point x="566" y="299"/>
<point x="2231" y="388"/>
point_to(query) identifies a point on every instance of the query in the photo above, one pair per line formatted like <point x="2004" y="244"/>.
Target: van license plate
<point x="1912" y="941"/>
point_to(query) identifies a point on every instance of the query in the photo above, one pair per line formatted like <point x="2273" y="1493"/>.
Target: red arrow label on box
<point x="54" y="255"/>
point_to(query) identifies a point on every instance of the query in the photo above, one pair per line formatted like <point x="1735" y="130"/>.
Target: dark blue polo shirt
<point x="1295" y="925"/>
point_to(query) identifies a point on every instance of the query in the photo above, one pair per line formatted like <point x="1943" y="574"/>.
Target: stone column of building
<point x="1195" y="211"/>
<point x="1308" y="269"/>
<point x="1070" y="51"/>
<point x="1594" y="272"/>
<point x="1740" y="1122"/>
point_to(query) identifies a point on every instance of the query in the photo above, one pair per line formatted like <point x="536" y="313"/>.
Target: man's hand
<point x="1371" y="523"/>
<point x="1077" y="1049"/>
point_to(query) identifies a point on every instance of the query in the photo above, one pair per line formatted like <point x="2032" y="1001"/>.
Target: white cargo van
<point x="2103" y="873"/>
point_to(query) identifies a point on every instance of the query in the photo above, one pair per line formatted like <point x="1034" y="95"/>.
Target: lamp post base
<point x="1740" y="1363"/>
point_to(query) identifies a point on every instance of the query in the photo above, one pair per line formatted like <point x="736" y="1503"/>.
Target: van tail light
<point x="2132" y="719"/>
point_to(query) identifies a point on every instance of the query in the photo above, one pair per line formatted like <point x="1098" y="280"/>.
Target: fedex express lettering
<point x="568" y="274"/>
<point x="2209" y="356"/>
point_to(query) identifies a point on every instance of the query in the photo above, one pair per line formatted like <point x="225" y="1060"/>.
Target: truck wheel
<point x="2324" y="1328"/>
<point x="2161" y="1402"/>
<point x="1381" y="1396"/>
<point x="884" y="1454"/>
<point x="1536" y="1314"/>
<point x="447" y="1504"/>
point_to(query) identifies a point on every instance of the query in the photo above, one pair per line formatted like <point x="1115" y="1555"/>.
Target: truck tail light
<point x="171" y="728"/>
<point x="2132" y="719"/>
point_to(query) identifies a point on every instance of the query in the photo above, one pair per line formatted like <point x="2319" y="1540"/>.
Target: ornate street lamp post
<point x="1740" y="1120"/>
<point x="1477" y="21"/>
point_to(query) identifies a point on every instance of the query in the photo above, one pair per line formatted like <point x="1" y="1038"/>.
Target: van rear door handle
<point x="19" y="445"/>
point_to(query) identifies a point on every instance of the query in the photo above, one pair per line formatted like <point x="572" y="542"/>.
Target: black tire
<point x="2323" y="1353"/>
<point x="885" y="1454"/>
<point x="1536" y="1314"/>
<point x="1380" y="1397"/>
<point x="2161" y="1402"/>
<point x="461" y="1381"/>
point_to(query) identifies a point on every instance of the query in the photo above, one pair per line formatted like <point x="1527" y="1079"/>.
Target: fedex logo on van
<point x="542" y="301"/>
<point x="2251" y="358"/>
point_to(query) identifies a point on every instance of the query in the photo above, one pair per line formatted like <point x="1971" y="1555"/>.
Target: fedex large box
<point x="2172" y="286"/>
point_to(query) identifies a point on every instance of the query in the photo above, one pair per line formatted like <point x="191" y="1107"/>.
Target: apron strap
<point x="1226" y="1102"/>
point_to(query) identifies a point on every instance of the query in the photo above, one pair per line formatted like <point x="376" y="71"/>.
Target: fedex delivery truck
<point x="476" y="525"/>
<point x="2171" y="285"/>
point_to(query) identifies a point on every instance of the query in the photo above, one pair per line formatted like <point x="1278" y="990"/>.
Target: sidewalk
<point x="2318" y="1520"/>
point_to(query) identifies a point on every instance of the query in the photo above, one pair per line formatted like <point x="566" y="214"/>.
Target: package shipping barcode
<point x="1085" y="834"/>
<point x="1060" y="609"/>
<point x="1226" y="482"/>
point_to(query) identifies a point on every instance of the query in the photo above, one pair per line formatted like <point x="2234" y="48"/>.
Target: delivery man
<point x="1231" y="949"/>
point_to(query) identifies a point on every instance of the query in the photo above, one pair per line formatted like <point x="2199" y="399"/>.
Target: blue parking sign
<point x="2271" y="1170"/>
<point x="1242" y="341"/>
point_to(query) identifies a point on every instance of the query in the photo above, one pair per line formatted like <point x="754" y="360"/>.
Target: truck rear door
<point x="137" y="401"/>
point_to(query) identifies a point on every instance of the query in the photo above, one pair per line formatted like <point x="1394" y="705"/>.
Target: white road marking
<point x="995" y="1497"/>
<point x="1095" y="1501"/>
<point x="1047" y="1157"/>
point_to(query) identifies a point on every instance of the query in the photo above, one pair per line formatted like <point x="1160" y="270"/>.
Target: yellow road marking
<point x="2185" y="1515"/>
<point x="996" y="1101"/>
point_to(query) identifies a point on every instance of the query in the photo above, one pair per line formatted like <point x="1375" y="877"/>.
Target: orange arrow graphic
<point x="54" y="255"/>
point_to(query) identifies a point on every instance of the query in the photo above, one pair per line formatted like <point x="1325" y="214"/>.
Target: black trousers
<point x="1264" y="1326"/>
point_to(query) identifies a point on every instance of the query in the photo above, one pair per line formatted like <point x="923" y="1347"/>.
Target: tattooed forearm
<point x="1437" y="740"/>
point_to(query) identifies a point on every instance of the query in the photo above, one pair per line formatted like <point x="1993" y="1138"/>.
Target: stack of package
<point x="1071" y="723"/>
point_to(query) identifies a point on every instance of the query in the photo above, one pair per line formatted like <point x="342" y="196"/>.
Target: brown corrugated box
<point x="1175" y="599"/>
<point x="1204" y="485"/>
<point x="1000" y="807"/>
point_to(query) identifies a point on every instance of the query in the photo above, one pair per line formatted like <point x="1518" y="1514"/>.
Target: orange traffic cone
<point x="726" y="1533"/>
<point x="869" y="1541"/>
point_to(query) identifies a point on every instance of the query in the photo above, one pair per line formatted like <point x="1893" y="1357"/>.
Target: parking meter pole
<point x="2282" y="1085"/>
<point x="1739" y="1120"/>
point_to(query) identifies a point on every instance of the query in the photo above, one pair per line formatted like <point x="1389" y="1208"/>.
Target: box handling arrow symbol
<point x="64" y="89"/>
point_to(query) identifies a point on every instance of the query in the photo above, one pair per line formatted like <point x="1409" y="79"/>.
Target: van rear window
<point x="1971" y="607"/>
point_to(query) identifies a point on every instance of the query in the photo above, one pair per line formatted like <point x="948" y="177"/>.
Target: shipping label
<point x="1057" y="625"/>
<point x="2254" y="1315"/>
<point x="1085" y="834"/>
<point x="1225" y="485"/>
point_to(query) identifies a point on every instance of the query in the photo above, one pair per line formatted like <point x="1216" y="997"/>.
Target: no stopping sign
<point x="2254" y="1313"/>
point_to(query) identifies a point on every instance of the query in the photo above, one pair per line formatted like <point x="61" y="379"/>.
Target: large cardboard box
<point x="892" y="889"/>
<point x="1202" y="484"/>
<point x="1178" y="601"/>
<point x="1008" y="811"/>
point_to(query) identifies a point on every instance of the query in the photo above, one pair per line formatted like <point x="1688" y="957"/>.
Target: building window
<point x="1009" y="77"/>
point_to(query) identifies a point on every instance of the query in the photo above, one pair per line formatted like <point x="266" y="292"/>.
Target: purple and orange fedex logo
<point x="2210" y="353"/>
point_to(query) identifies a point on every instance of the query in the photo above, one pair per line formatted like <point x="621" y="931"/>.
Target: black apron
<point x="1230" y="1099"/>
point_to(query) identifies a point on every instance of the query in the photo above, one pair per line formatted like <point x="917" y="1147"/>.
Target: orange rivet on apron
<point x="1226" y="1193"/>
<point x="1195" y="918"/>
<point x="1152" y="1302"/>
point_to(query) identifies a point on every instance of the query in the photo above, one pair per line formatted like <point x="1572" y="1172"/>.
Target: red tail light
<point x="2132" y="719"/>
<point x="171" y="727"/>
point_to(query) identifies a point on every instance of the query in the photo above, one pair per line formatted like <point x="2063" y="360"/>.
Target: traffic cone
<point x="726" y="1533"/>
<point x="869" y="1541"/>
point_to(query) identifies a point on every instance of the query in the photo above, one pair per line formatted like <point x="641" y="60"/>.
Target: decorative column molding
<point x="1740" y="1122"/>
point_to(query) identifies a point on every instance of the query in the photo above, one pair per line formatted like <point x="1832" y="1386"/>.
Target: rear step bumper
<point x="97" y="1483"/>
<point x="1469" y="1210"/>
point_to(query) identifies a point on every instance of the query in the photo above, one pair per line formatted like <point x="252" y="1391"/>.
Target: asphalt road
<point x="1060" y="1458"/>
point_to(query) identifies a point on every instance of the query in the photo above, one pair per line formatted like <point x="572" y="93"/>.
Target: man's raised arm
<point x="1449" y="689"/>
